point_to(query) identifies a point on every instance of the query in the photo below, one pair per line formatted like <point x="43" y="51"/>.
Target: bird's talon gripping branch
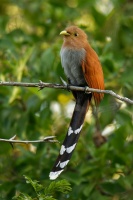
<point x="82" y="67"/>
<point x="86" y="90"/>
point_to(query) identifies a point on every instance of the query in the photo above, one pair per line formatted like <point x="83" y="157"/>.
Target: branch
<point x="42" y="85"/>
<point x="12" y="140"/>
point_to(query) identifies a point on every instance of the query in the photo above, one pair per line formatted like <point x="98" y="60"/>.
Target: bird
<point x="82" y="68"/>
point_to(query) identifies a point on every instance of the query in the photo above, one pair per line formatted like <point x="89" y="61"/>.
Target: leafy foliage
<point x="29" y="51"/>
<point x="45" y="193"/>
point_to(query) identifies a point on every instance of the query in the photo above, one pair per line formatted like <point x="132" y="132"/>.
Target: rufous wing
<point x="93" y="73"/>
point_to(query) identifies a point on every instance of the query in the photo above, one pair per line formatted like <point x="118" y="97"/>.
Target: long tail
<point x="71" y="139"/>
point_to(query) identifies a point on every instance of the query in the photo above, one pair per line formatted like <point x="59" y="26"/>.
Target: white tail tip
<point x="54" y="175"/>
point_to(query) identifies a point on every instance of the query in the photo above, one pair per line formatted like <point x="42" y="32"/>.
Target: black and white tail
<point x="71" y="139"/>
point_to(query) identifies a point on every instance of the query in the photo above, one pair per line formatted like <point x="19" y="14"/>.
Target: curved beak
<point x="64" y="33"/>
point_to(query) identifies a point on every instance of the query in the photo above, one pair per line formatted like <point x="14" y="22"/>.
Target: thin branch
<point x="12" y="140"/>
<point x="42" y="85"/>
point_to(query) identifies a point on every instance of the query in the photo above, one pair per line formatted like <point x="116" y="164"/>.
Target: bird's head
<point x="74" y="37"/>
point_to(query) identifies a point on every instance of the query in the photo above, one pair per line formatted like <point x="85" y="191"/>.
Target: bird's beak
<point x="64" y="33"/>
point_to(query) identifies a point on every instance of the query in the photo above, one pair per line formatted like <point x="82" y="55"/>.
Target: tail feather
<point x="71" y="139"/>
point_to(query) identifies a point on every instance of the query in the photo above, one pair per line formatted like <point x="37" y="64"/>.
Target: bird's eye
<point x="75" y="34"/>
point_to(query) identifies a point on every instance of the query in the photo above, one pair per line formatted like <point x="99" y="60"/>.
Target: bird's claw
<point x="86" y="90"/>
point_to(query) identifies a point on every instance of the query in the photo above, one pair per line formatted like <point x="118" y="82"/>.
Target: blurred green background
<point x="29" y="52"/>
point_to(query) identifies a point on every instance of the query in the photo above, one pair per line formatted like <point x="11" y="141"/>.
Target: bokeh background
<point x="29" y="52"/>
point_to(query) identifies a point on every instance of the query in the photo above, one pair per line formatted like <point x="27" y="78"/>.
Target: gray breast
<point x="71" y="61"/>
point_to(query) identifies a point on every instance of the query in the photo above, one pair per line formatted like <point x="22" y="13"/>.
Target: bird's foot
<point x="86" y="90"/>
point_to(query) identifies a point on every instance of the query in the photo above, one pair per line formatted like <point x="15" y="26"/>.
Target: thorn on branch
<point x="12" y="140"/>
<point x="40" y="85"/>
<point x="63" y="81"/>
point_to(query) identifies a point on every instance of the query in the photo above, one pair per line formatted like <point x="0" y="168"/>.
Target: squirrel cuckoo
<point x="82" y="68"/>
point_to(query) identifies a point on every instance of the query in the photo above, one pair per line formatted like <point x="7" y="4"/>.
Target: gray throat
<point x="71" y="60"/>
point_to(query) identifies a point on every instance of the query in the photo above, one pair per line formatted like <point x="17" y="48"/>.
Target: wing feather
<point x="93" y="73"/>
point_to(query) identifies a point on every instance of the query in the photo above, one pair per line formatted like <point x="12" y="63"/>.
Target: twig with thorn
<point x="42" y="85"/>
<point x="12" y="140"/>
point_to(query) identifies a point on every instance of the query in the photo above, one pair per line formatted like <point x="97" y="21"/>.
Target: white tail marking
<point x="63" y="149"/>
<point x="58" y="164"/>
<point x="70" y="149"/>
<point x="63" y="164"/>
<point x="78" y="130"/>
<point x="70" y="131"/>
<point x="54" y="175"/>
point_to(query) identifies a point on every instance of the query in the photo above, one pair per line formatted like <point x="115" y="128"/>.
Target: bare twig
<point x="42" y="85"/>
<point x="12" y="140"/>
